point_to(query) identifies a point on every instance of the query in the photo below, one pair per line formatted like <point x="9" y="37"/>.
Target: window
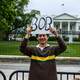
<point x="72" y="26"/>
<point x="57" y="24"/>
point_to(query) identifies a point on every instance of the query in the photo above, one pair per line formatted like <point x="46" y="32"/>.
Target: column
<point x="60" y="27"/>
<point x="68" y="26"/>
<point x="70" y="35"/>
<point x="77" y="26"/>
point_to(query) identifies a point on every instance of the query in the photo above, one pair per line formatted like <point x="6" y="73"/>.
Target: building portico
<point x="67" y="23"/>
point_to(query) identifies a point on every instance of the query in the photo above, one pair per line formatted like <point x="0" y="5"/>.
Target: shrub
<point x="32" y="38"/>
<point x="76" y="39"/>
<point x="65" y="38"/>
<point x="52" y="38"/>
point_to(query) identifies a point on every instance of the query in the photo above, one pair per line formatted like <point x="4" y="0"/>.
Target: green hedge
<point x="33" y="38"/>
<point x="76" y="39"/>
<point x="51" y="38"/>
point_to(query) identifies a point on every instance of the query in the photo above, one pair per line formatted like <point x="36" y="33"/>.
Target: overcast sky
<point x="53" y="7"/>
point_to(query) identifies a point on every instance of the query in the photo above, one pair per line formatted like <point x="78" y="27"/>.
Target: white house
<point x="67" y="23"/>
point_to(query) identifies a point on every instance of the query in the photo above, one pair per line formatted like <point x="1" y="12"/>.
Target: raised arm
<point x="61" y="44"/>
<point x="24" y="47"/>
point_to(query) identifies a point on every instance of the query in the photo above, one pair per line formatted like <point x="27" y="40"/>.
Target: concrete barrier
<point x="21" y="59"/>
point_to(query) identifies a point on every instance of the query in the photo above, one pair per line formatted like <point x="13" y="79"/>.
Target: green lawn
<point x="9" y="48"/>
<point x="72" y="50"/>
<point x="12" y="48"/>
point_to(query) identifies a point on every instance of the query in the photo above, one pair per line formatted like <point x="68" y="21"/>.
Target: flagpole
<point x="63" y="8"/>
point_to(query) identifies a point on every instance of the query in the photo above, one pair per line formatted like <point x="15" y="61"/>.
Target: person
<point x="43" y="65"/>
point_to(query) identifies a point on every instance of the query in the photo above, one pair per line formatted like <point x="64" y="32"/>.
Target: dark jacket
<point x="43" y="66"/>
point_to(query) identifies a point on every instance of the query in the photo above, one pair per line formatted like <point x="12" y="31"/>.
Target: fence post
<point x="4" y="77"/>
<point x="16" y="72"/>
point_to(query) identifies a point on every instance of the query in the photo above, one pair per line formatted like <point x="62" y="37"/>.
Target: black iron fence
<point x="22" y="75"/>
<point x="3" y="75"/>
<point x="68" y="75"/>
<point x="19" y="74"/>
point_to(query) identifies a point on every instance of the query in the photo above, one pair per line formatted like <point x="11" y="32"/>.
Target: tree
<point x="9" y="10"/>
<point x="22" y="21"/>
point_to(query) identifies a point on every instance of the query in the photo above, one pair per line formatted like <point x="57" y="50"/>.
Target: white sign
<point x="41" y="24"/>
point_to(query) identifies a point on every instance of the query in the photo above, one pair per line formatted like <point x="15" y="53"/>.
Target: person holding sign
<point x="43" y="66"/>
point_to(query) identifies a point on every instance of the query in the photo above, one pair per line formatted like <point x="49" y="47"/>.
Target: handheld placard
<point x="41" y="24"/>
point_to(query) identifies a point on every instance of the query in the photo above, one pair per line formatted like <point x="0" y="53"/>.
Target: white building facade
<point x="68" y="24"/>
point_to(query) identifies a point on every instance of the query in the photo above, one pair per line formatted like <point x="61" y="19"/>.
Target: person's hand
<point x="53" y="31"/>
<point x="29" y="30"/>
